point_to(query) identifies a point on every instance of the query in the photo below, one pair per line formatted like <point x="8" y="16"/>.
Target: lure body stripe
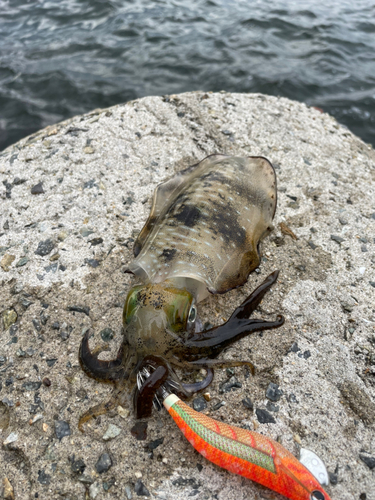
<point x="251" y="455"/>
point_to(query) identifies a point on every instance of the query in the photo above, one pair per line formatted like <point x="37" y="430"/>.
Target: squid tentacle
<point x="99" y="369"/>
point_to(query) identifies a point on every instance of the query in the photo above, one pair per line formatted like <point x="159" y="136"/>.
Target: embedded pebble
<point x="333" y="478"/>
<point x="62" y="429"/>
<point x="37" y="417"/>
<point x="9" y="318"/>
<point x="22" y="262"/>
<point x="45" y="247"/>
<point x="8" y="492"/>
<point x="369" y="461"/>
<point x="78" y="466"/>
<point x="273" y="392"/>
<point x="31" y="386"/>
<point x="128" y="492"/>
<point x="13" y="436"/>
<point x="272" y="407"/>
<point x="139" y="431"/>
<point x="104" y="463"/>
<point x="123" y="412"/>
<point x="94" y="490"/>
<point x="152" y="445"/>
<point x="80" y="309"/>
<point x="112" y="432"/>
<point x="199" y="404"/>
<point x="337" y="239"/>
<point x="230" y="385"/>
<point x="264" y="417"/>
<point x="141" y="489"/>
<point x="248" y="403"/>
<point x="37" y="189"/>
<point x="44" y="478"/>
<point x="107" y="334"/>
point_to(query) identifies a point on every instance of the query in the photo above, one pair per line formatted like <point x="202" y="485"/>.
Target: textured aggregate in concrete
<point x="73" y="198"/>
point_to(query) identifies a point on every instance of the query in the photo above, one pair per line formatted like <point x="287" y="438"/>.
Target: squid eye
<point x="192" y="314"/>
<point x="317" y="495"/>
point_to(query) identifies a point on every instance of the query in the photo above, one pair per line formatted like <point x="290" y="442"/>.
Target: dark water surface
<point x="59" y="58"/>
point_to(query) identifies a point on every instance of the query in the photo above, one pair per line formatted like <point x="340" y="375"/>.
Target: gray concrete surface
<point x="68" y="245"/>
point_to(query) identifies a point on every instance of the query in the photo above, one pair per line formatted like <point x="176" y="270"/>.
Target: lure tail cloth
<point x="249" y="454"/>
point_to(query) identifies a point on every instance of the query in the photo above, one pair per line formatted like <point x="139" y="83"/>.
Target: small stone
<point x="123" y="412"/>
<point x="199" y="404"/>
<point x="139" y="431"/>
<point x="107" y="485"/>
<point x="338" y="239"/>
<point x="25" y="302"/>
<point x="86" y="479"/>
<point x="8" y="492"/>
<point x="372" y="283"/>
<point x="141" y="489"/>
<point x="104" y="463"/>
<point x="62" y="429"/>
<point x="55" y="326"/>
<point x="333" y="478"/>
<point x="45" y="427"/>
<point x="273" y="392"/>
<point x="78" y="466"/>
<point x="343" y="221"/>
<point x="292" y="398"/>
<point x="88" y="150"/>
<point x="312" y="245"/>
<point x="369" y="461"/>
<point x="364" y="248"/>
<point x="45" y="247"/>
<point x="348" y="306"/>
<point x="218" y="405"/>
<point x="46" y="382"/>
<point x="6" y="261"/>
<point x="62" y="235"/>
<point x="31" y="386"/>
<point x="94" y="490"/>
<point x="37" y="417"/>
<point x="297" y="438"/>
<point x="44" y="478"/>
<point x="128" y="492"/>
<point x="51" y="362"/>
<point x="22" y="262"/>
<point x="248" y="404"/>
<point x="112" y="432"/>
<point x="9" y="318"/>
<point x="92" y="263"/>
<point x="80" y="309"/>
<point x="152" y="445"/>
<point x="96" y="241"/>
<point x="306" y="354"/>
<point x="230" y="385"/>
<point x="107" y="334"/>
<point x="264" y="417"/>
<point x="37" y="189"/>
<point x="294" y="347"/>
<point x="272" y="407"/>
<point x="86" y="231"/>
<point x="13" y="436"/>
<point x="138" y="474"/>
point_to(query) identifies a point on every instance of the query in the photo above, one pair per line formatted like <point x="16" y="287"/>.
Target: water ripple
<point x="59" y="59"/>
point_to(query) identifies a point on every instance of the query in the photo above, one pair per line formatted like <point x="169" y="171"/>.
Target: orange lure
<point x="246" y="453"/>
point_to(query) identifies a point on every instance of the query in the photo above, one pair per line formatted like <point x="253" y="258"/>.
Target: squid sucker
<point x="202" y="237"/>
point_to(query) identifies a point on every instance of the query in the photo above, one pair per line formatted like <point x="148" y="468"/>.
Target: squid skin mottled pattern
<point x="244" y="452"/>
